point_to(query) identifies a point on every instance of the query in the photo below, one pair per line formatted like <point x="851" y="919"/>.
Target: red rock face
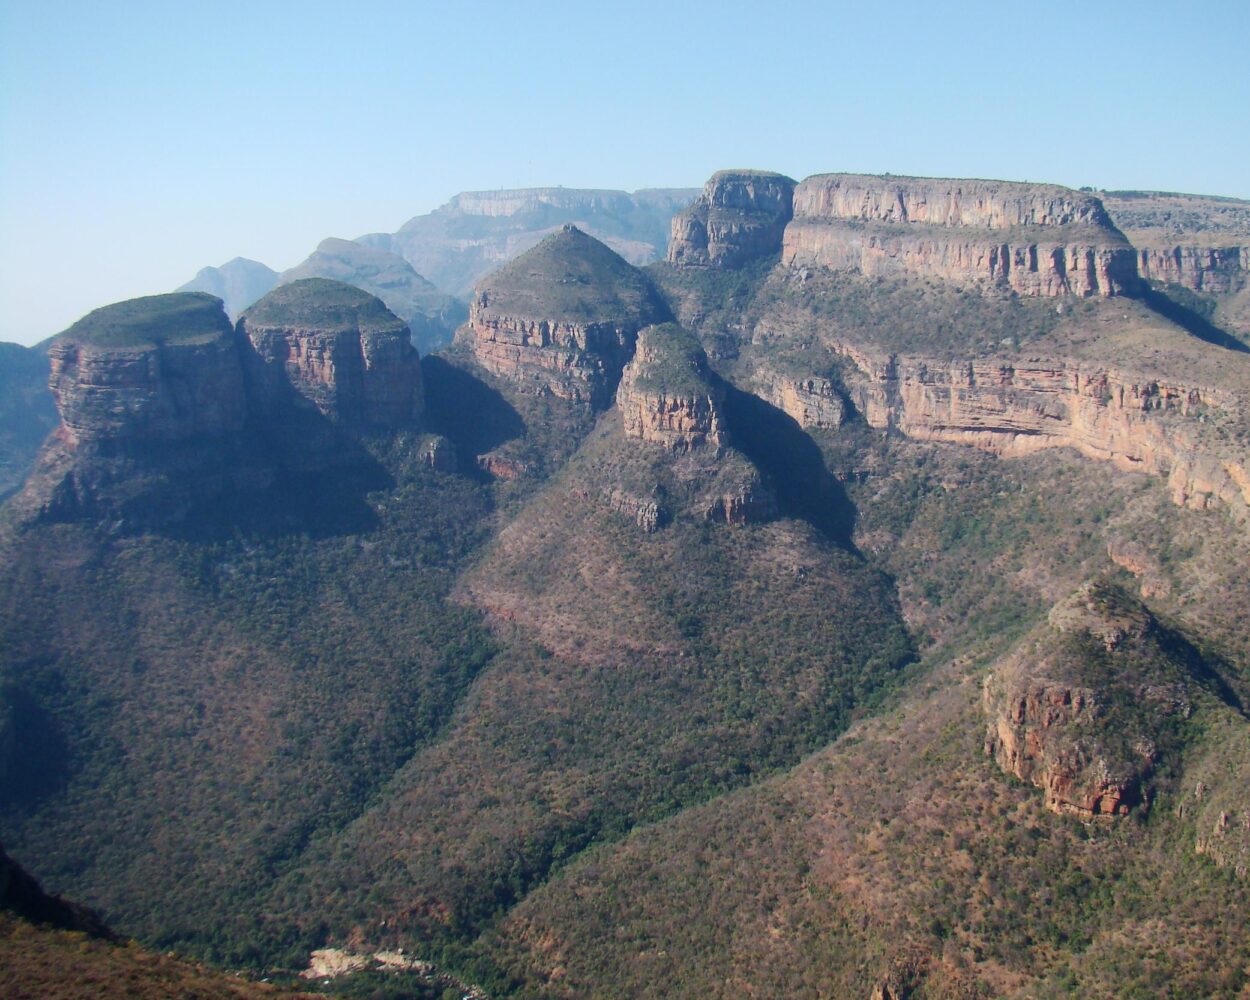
<point x="573" y="361"/>
<point x="1027" y="736"/>
<point x="353" y="377"/>
<point x="1218" y="270"/>
<point x="154" y="392"/>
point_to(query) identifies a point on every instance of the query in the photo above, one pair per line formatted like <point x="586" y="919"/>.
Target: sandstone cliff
<point x="670" y="399"/>
<point x="561" y="319"/>
<point x="1037" y="240"/>
<point x="162" y="368"/>
<point x="1014" y="408"/>
<point x="330" y="346"/>
<point x="152" y="406"/>
<point x="666" y="395"/>
<point x="1083" y="708"/>
<point x="1202" y="243"/>
<point x="739" y="217"/>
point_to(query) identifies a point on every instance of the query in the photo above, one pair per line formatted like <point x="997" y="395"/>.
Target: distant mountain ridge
<point x="238" y="283"/>
<point x="477" y="231"/>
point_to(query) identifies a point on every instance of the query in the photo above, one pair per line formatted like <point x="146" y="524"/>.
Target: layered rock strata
<point x="1063" y="710"/>
<point x="161" y="368"/>
<point x="329" y="346"/>
<point x="1202" y="243"/>
<point x="561" y="319"/>
<point x="1036" y="240"/>
<point x="1218" y="270"/>
<point x="669" y="398"/>
<point x="666" y="395"/>
<point x="1016" y="408"/>
<point x="814" y="402"/>
<point x="164" y="408"/>
<point x="739" y="217"/>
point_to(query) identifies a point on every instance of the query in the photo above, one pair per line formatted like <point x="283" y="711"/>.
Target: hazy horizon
<point x="138" y="146"/>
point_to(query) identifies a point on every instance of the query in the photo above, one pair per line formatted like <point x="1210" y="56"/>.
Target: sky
<point x="142" y="141"/>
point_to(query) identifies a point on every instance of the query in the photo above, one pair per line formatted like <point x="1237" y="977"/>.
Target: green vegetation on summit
<point x="325" y="305"/>
<point x="175" y="318"/>
<point x="571" y="277"/>
<point x="876" y="629"/>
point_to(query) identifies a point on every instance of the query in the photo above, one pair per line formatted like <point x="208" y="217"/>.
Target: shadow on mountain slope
<point x="775" y="442"/>
<point x="1190" y="320"/>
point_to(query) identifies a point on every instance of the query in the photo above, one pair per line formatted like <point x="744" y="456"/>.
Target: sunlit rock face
<point x="329" y="346"/>
<point x="1035" y="240"/>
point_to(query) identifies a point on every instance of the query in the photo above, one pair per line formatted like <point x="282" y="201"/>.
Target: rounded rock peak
<point x="571" y="277"/>
<point x="151" y="321"/>
<point x="323" y="304"/>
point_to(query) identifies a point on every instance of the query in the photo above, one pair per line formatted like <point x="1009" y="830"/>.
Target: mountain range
<point x="851" y="603"/>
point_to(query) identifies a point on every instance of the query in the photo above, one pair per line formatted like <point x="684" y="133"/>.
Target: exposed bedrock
<point x="1218" y="270"/>
<point x="562" y="318"/>
<point x="667" y="395"/>
<point x="1036" y="240"/>
<point x="1081" y="707"/>
<point x="740" y="216"/>
<point x="1162" y="428"/>
<point x="161" y="368"/>
<point x="326" y="345"/>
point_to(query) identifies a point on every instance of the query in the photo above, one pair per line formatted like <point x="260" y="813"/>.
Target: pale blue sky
<point x="141" y="141"/>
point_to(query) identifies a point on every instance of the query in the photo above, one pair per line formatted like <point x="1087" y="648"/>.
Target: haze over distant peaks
<point x="238" y="283"/>
<point x="432" y="315"/>
<point x="476" y="231"/>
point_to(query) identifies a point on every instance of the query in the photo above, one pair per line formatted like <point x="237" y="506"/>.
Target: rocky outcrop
<point x="561" y="319"/>
<point x="1036" y="240"/>
<point x="1218" y="270"/>
<point x="165" y="410"/>
<point x="1080" y="709"/>
<point x="739" y="217"/>
<point x="1017" y="408"/>
<point x="431" y="315"/>
<point x="670" y="399"/>
<point x="1202" y="243"/>
<point x="814" y="402"/>
<point x="667" y="395"/>
<point x="161" y="368"/>
<point x="153" y="407"/>
<point x="329" y="346"/>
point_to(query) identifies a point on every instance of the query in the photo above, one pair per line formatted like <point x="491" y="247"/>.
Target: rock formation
<point x="1081" y="708"/>
<point x="161" y="368"/>
<point x="813" y="401"/>
<point x="739" y="217"/>
<point x="152" y="407"/>
<point x="666" y="395"/>
<point x="431" y="315"/>
<point x="1018" y="408"/>
<point x="331" y="346"/>
<point x="1037" y="240"/>
<point x="561" y="319"/>
<point x="164" y="408"/>
<point x="1181" y="239"/>
<point x="670" y="399"/>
